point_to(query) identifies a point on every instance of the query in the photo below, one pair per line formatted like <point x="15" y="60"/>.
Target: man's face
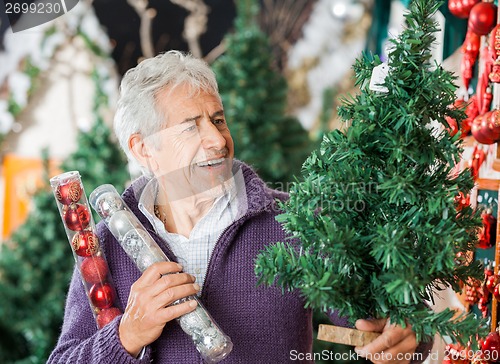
<point x="195" y="149"/>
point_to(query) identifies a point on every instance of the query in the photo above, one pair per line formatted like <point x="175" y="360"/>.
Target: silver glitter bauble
<point x="108" y="203"/>
<point x="134" y="242"/>
<point x="191" y="321"/>
<point x="210" y="341"/>
<point x="121" y="222"/>
<point x="146" y="259"/>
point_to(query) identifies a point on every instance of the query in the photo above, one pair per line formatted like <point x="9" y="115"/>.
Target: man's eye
<point x="191" y="128"/>
<point x="219" y="121"/>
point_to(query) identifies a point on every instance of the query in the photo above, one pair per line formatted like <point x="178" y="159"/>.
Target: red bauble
<point x="77" y="217"/>
<point x="456" y="8"/>
<point x="482" y="18"/>
<point x="491" y="345"/>
<point x="496" y="293"/>
<point x="491" y="283"/>
<point x="85" y="243"/>
<point x="102" y="295"/>
<point x="107" y="315"/>
<point x="69" y="192"/>
<point x="479" y="129"/>
<point x="467" y="5"/>
<point x="94" y="269"/>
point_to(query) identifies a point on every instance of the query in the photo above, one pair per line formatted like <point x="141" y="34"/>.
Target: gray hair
<point x="136" y="110"/>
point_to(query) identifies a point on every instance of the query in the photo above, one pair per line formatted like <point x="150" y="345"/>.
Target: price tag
<point x="378" y="78"/>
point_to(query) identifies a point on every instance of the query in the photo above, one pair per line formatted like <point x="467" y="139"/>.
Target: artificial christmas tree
<point x="376" y="214"/>
<point x="254" y="97"/>
<point x="36" y="264"/>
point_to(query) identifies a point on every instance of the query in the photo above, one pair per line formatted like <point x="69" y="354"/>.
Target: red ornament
<point x="102" y="295"/>
<point x="491" y="345"/>
<point x="470" y="49"/>
<point x="69" y="192"/>
<point x="494" y="75"/>
<point x="479" y="129"/>
<point x="471" y="111"/>
<point x="456" y="8"/>
<point x="456" y="354"/>
<point x="496" y="292"/>
<point x="468" y="5"/>
<point x="77" y="217"/>
<point x="483" y="305"/>
<point x="491" y="283"/>
<point x="494" y="124"/>
<point x="471" y="44"/>
<point x="94" y="269"/>
<point x="482" y="18"/>
<point x="488" y="233"/>
<point x="85" y="243"/>
<point x="495" y="42"/>
<point x="478" y="157"/>
<point x="462" y="201"/>
<point x="452" y="123"/>
<point x="107" y="315"/>
<point x="473" y="291"/>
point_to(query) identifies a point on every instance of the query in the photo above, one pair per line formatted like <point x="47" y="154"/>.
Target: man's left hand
<point x="395" y="344"/>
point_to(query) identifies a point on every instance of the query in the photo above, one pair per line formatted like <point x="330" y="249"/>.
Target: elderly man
<point x="211" y="216"/>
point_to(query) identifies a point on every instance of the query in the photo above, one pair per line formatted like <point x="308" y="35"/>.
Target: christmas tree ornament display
<point x="209" y="339"/>
<point x="89" y="258"/>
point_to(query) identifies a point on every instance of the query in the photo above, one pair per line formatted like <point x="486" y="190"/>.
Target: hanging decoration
<point x="488" y="233"/>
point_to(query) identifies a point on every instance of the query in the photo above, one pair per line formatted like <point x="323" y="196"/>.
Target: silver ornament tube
<point x="209" y="339"/>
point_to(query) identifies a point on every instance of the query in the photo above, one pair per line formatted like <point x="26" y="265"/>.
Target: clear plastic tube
<point x="89" y="258"/>
<point x="209" y="339"/>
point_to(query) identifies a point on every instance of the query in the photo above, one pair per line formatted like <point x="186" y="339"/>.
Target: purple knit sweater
<point x="264" y="324"/>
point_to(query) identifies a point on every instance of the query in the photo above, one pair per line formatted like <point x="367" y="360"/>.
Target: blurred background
<point x="287" y="60"/>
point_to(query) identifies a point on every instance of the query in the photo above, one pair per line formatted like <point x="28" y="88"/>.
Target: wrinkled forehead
<point x="175" y="105"/>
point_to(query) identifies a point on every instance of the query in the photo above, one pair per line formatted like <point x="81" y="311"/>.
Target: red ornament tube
<point x="89" y="258"/>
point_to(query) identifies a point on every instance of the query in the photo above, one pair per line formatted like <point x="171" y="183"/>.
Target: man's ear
<point x="140" y="151"/>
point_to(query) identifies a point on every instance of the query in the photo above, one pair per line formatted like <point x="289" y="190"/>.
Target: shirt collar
<point x="234" y="198"/>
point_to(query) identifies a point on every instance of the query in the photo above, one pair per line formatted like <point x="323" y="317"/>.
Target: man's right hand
<point x="148" y="307"/>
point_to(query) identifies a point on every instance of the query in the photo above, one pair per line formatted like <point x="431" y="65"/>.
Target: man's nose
<point x="211" y="137"/>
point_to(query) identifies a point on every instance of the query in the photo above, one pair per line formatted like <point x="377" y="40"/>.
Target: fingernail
<point x="193" y="277"/>
<point x="196" y="286"/>
<point x="192" y="303"/>
<point x="179" y="266"/>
